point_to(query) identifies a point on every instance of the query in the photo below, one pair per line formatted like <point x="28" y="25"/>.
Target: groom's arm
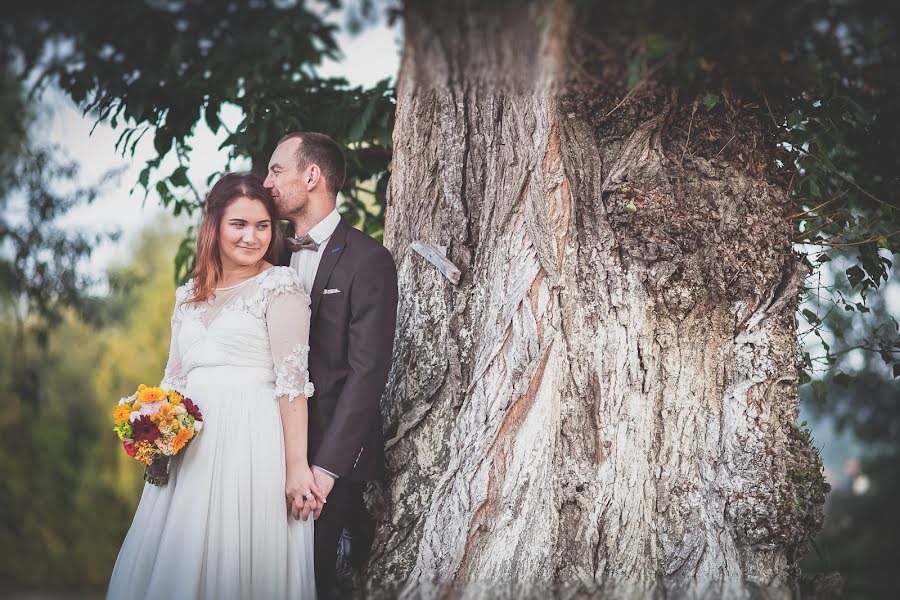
<point x="373" y="318"/>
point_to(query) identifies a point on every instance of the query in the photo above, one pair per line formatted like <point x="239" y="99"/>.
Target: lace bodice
<point x="260" y="323"/>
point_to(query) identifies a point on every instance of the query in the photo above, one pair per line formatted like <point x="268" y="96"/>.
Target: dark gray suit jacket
<point x="351" y="343"/>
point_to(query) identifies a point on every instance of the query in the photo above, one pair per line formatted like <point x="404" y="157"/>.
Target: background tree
<point x="68" y="489"/>
<point x="39" y="262"/>
<point x="859" y="393"/>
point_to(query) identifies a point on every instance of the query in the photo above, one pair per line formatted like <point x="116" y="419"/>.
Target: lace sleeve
<point x="287" y="321"/>
<point x="174" y="377"/>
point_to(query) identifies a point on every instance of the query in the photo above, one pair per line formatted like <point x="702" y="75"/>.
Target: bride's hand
<point x="301" y="493"/>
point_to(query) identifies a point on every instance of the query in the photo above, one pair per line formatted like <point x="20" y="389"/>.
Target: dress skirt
<point x="220" y="528"/>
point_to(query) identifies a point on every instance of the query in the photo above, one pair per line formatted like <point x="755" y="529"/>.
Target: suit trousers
<point x="345" y="509"/>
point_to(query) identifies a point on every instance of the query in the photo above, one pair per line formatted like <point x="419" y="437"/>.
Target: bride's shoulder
<point x="183" y="292"/>
<point x="281" y="280"/>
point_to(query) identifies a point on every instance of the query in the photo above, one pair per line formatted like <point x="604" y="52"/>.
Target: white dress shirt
<point x="306" y="262"/>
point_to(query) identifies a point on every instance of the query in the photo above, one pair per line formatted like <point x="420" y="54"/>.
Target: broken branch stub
<point x="436" y="255"/>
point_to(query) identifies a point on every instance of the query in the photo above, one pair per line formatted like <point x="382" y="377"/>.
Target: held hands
<point x="302" y="494"/>
<point x="325" y="483"/>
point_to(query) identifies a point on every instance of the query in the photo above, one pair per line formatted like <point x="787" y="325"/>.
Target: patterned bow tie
<point x="304" y="243"/>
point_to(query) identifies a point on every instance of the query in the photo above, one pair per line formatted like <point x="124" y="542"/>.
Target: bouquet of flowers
<point x="154" y="425"/>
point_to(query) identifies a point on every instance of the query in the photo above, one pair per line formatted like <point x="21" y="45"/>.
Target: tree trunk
<point x="606" y="400"/>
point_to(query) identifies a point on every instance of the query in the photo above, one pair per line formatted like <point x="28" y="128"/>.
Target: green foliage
<point x="68" y="489"/>
<point x="193" y="59"/>
<point x="39" y="259"/>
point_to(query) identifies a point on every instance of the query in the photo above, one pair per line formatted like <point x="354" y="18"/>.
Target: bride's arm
<point x="287" y="321"/>
<point x="173" y="377"/>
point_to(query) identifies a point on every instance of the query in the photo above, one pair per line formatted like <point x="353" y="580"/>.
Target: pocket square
<point x="331" y="291"/>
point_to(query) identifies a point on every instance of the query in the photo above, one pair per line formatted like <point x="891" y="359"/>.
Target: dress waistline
<point x="229" y="375"/>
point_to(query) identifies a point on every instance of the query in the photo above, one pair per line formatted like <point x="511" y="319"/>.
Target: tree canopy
<point x="163" y="67"/>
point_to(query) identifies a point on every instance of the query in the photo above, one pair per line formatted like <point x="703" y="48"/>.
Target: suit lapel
<point x="333" y="251"/>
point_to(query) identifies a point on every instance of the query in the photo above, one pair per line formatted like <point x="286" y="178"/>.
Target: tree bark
<point x="606" y="400"/>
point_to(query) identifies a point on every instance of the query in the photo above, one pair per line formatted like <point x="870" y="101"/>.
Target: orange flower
<point x="166" y="411"/>
<point x="149" y="395"/>
<point x="121" y="413"/>
<point x="165" y="418"/>
<point x="182" y="438"/>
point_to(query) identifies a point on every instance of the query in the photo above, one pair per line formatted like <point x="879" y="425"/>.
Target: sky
<point x="369" y="56"/>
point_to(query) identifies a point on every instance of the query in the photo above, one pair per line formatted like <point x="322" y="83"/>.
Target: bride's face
<point x="244" y="233"/>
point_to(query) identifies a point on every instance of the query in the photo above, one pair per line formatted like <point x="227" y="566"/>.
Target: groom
<point x="352" y="282"/>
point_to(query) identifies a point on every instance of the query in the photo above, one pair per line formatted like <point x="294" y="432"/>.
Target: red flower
<point x="145" y="430"/>
<point x="129" y="448"/>
<point x="192" y="409"/>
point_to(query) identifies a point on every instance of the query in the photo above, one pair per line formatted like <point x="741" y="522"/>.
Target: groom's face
<point x="287" y="181"/>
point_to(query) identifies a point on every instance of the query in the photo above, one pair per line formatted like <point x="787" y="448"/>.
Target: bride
<point x="232" y="521"/>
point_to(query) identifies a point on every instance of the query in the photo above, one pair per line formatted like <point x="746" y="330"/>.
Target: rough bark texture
<point x="606" y="399"/>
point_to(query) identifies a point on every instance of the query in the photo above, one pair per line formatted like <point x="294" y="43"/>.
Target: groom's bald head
<point x="321" y="150"/>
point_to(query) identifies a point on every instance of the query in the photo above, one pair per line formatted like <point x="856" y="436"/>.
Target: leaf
<point x="811" y="317"/>
<point x="855" y="275"/>
<point x="814" y="190"/>
<point x="178" y="178"/>
<point x="710" y="101"/>
<point x="634" y="70"/>
<point x="362" y="121"/>
<point x="162" y="141"/>
<point x="842" y="379"/>
<point x="165" y="195"/>
<point x="144" y="177"/>
<point x="211" y="115"/>
<point x="819" y="389"/>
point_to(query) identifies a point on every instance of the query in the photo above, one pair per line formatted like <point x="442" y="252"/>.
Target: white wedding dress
<point x="220" y="529"/>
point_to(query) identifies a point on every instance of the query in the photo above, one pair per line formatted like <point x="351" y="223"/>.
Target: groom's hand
<point x="325" y="482"/>
<point x="301" y="492"/>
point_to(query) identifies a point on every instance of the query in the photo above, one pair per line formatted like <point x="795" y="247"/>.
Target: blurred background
<point x="115" y="117"/>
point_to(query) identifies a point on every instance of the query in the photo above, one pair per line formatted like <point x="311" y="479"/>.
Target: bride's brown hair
<point x="208" y="263"/>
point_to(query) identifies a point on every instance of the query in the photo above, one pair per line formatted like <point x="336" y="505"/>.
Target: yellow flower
<point x="121" y="413"/>
<point x="149" y="395"/>
<point x="181" y="438"/>
<point x="136" y="405"/>
<point x="144" y="452"/>
<point x="175" y="398"/>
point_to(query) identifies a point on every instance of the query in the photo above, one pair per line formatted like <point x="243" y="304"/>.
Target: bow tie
<point x="304" y="243"/>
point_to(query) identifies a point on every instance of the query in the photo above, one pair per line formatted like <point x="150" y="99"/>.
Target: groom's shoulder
<point x="366" y="249"/>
